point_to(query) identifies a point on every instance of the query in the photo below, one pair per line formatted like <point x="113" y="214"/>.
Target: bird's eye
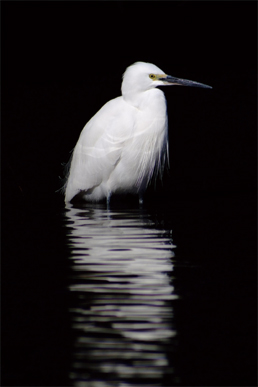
<point x="152" y="76"/>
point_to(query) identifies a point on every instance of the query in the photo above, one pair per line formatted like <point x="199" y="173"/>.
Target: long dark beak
<point x="169" y="80"/>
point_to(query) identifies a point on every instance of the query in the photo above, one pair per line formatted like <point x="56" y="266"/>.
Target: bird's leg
<point x="108" y="199"/>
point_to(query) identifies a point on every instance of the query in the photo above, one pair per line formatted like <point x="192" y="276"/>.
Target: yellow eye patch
<point x="153" y="76"/>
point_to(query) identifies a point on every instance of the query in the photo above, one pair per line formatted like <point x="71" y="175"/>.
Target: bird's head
<point x="142" y="76"/>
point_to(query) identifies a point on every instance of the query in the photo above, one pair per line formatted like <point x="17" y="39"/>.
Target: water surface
<point x="123" y="293"/>
<point x="104" y="298"/>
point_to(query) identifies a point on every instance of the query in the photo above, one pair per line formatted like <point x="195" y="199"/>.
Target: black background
<point x="61" y="61"/>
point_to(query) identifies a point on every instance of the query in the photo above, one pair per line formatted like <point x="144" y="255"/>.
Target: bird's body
<point x="125" y="142"/>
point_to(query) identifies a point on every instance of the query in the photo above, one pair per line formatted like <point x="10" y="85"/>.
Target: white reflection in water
<point x="122" y="310"/>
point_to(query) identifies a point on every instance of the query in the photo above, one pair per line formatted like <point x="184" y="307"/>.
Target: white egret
<point x="126" y="141"/>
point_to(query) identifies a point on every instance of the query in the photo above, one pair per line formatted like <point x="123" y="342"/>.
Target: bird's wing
<point x="99" y="147"/>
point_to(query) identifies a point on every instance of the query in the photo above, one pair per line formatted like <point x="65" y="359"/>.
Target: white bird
<point x="126" y="141"/>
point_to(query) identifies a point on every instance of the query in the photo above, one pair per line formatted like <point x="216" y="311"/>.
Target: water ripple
<point x="121" y="311"/>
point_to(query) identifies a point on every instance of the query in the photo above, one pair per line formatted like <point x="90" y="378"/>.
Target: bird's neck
<point x="145" y="99"/>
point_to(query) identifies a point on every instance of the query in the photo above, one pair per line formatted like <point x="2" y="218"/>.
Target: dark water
<point x="159" y="296"/>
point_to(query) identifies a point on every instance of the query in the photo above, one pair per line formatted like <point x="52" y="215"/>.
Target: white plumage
<point x="126" y="141"/>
